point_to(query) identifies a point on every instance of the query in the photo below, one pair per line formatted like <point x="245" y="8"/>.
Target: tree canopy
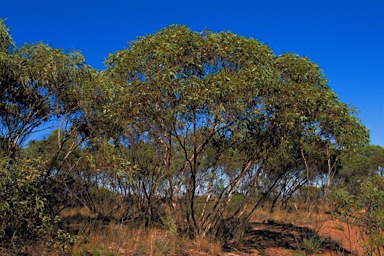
<point x="200" y="96"/>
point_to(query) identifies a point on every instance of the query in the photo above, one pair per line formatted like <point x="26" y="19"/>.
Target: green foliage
<point x="38" y="83"/>
<point x="361" y="163"/>
<point x="312" y="245"/>
<point x="366" y="209"/>
<point x="371" y="200"/>
<point x="24" y="208"/>
<point x="6" y="42"/>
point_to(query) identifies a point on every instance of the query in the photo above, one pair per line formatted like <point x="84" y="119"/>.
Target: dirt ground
<point x="278" y="234"/>
<point x="326" y="237"/>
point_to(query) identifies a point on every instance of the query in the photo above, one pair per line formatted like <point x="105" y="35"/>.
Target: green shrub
<point x="24" y="212"/>
<point x="366" y="209"/>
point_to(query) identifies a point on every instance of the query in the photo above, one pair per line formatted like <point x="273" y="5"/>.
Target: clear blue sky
<point x="345" y="37"/>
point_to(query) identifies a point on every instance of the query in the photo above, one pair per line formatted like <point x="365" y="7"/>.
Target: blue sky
<point x="345" y="37"/>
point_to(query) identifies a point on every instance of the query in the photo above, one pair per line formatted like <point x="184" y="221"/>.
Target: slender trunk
<point x="307" y="172"/>
<point x="331" y="167"/>
<point x="193" y="173"/>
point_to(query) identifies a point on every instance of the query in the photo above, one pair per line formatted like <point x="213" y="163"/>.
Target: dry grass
<point x="76" y="211"/>
<point x="125" y="239"/>
<point x="120" y="239"/>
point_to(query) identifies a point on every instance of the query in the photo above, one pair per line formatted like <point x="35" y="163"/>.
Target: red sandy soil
<point x="332" y="237"/>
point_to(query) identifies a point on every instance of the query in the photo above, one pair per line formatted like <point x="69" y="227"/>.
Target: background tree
<point x="361" y="163"/>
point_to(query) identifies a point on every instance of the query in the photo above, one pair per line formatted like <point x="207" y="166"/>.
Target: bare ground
<point x="327" y="237"/>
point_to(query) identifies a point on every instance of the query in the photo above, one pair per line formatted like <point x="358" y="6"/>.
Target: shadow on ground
<point x="271" y="235"/>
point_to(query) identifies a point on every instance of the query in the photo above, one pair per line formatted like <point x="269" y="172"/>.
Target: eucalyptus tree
<point x="183" y="89"/>
<point x="318" y="114"/>
<point x="224" y="116"/>
<point x="38" y="85"/>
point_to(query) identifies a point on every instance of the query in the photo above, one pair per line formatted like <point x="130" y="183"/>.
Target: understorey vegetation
<point x="184" y="131"/>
